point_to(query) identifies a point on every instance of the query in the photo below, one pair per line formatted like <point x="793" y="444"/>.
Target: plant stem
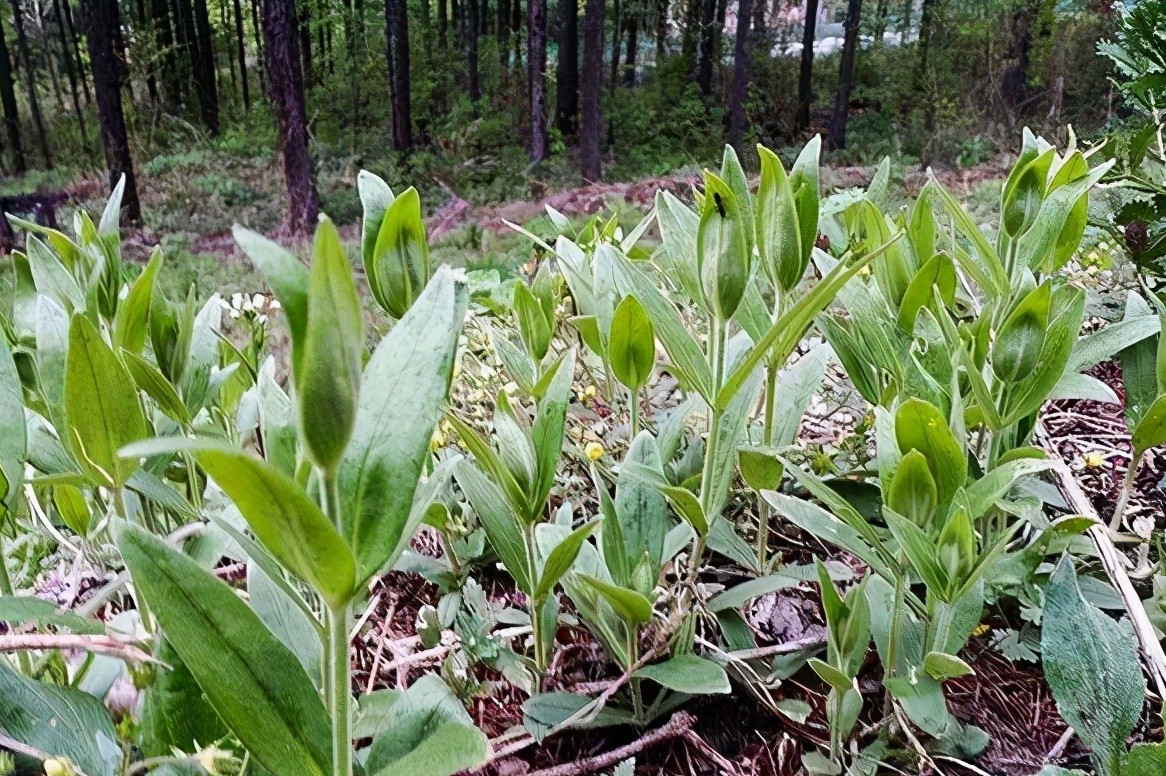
<point x="1127" y="490"/>
<point x="708" y="473"/>
<point x="633" y="683"/>
<point x="536" y="606"/>
<point x="338" y="676"/>
<point x="763" y="511"/>
<point x="634" y="400"/>
<point x="340" y="690"/>
<point x="7" y="589"/>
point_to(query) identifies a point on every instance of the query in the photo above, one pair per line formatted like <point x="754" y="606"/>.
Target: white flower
<point x="258" y="300"/>
<point x="237" y="300"/>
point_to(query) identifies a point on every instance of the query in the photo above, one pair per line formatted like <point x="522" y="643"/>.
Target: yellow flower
<point x="980" y="629"/>
<point x="589" y="393"/>
<point x="593" y="450"/>
<point x="1094" y="460"/>
<point x="438" y="440"/>
<point x="58" y="766"/>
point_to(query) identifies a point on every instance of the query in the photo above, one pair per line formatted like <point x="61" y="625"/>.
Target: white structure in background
<point x="828" y="32"/>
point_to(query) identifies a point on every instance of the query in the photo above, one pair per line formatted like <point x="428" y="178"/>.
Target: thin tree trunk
<point x="1014" y="82"/>
<point x="71" y="72"/>
<point x="629" y="68"/>
<point x="837" y="137"/>
<point x="260" y="59"/>
<point x="146" y="27"/>
<point x="740" y="91"/>
<point x="100" y="16"/>
<point x="75" y="40"/>
<point x="281" y="35"/>
<point x="692" y="15"/>
<point x="536" y="58"/>
<point x="164" y="39"/>
<point x="704" y="68"/>
<point x="471" y="8"/>
<point x="806" y="74"/>
<point x="516" y="32"/>
<point x="8" y="102"/>
<point x="661" y="30"/>
<point x="30" y="83"/>
<point x="241" y="52"/>
<point x="442" y="23"/>
<point x="760" y="30"/>
<point x="306" y="41"/>
<point x="567" y="80"/>
<point x="397" y="35"/>
<point x="591" y="92"/>
<point x="616" y="39"/>
<point x="208" y="93"/>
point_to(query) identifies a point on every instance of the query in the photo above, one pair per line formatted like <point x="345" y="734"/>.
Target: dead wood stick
<point x="1111" y="560"/>
<point x="679" y="725"/>
<point x="101" y="645"/>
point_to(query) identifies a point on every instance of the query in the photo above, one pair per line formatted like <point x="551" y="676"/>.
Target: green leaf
<point x="399" y="266"/>
<point x="73" y="508"/>
<point x="285" y="616"/>
<point x="804" y="181"/>
<point x="154" y="384"/>
<point x="688" y="674"/>
<point x="737" y="596"/>
<point x="937" y="274"/>
<point x="561" y="559"/>
<point x="102" y="403"/>
<point x="831" y="675"/>
<point x="405" y="385"/>
<point x="13" y="432"/>
<point x="51" y="277"/>
<point x="941" y="667"/>
<point x="547" y="433"/>
<point x="686" y="504"/>
<point x="254" y="683"/>
<point x="760" y="468"/>
<point x="59" y="721"/>
<point x="328" y="382"/>
<point x="175" y="713"/>
<point x="778" y="227"/>
<point x="1150" y="431"/>
<point x="288" y="278"/>
<point x="723" y="248"/>
<point x="921" y="551"/>
<point x="631" y="606"/>
<point x="1021" y="337"/>
<point x="912" y="491"/>
<point x="533" y="326"/>
<point x="375" y="198"/>
<point x="1091" y="664"/>
<point x="26" y="609"/>
<point x="632" y="344"/>
<point x="130" y="326"/>
<point x="920" y="426"/>
<point x="503" y="530"/>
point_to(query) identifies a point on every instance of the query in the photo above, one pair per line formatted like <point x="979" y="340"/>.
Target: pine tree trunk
<point x="71" y="72"/>
<point x="704" y="68"/>
<point x="837" y="137"/>
<point x="164" y="40"/>
<point x="241" y="52"/>
<point x="8" y="102"/>
<point x="208" y="93"/>
<point x="30" y="84"/>
<point x="471" y="9"/>
<point x="567" y="76"/>
<point x="536" y="58"/>
<point x="591" y="92"/>
<point x="806" y="73"/>
<point x="661" y="30"/>
<point x="616" y="39"/>
<point x="100" y="17"/>
<point x="281" y="38"/>
<point x="147" y="32"/>
<point x="629" y="67"/>
<point x="397" y="35"/>
<point x="740" y="92"/>
<point x="305" y="11"/>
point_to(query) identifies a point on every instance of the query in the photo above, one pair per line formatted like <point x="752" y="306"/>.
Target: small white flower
<point x="258" y="300"/>
<point x="237" y="300"/>
<point x="275" y="305"/>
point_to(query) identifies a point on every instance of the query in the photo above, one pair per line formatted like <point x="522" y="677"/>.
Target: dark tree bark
<point x="8" y="102"/>
<point x="1014" y="82"/>
<point x="99" y="17"/>
<point x="536" y="58"/>
<point x="164" y="38"/>
<point x="471" y="9"/>
<point x="591" y="92"/>
<point x="456" y="13"/>
<point x="204" y="82"/>
<point x="397" y="36"/>
<point x="241" y="52"/>
<point x="516" y="32"/>
<point x="147" y="32"/>
<point x="837" y="137"/>
<point x="759" y="22"/>
<point x="442" y="23"/>
<point x="629" y="66"/>
<point x="806" y="73"/>
<point x="708" y="31"/>
<point x="306" y="40"/>
<point x="30" y="83"/>
<point x="741" y="75"/>
<point x="616" y="39"/>
<point x="71" y="72"/>
<point x="567" y="80"/>
<point x="260" y="59"/>
<point x="661" y="30"/>
<point x="692" y="15"/>
<point x="926" y="30"/>
<point x="75" y="40"/>
<point x="280" y="32"/>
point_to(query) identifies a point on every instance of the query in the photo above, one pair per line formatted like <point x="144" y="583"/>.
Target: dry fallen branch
<point x="100" y="645"/>
<point x="680" y="725"/>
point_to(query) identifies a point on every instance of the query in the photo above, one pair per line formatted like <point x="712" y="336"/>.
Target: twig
<point x="100" y="645"/>
<point x="1059" y="747"/>
<point x="680" y="725"/>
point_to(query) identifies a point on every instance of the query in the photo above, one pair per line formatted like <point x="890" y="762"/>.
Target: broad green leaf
<point x="1105" y="343"/>
<point x="130" y="325"/>
<point x="405" y="385"/>
<point x="688" y="507"/>
<point x="778" y="228"/>
<point x="72" y="507"/>
<point x="175" y="712"/>
<point x="288" y="278"/>
<point x="561" y="559"/>
<point x="942" y="667"/>
<point x="832" y="675"/>
<point x="52" y="352"/>
<point x="399" y="267"/>
<point x="51" y="277"/>
<point x="688" y="674"/>
<point x="1091" y="664"/>
<point x="328" y="381"/>
<point x="760" y="468"/>
<point x="804" y="181"/>
<point x="723" y="248"/>
<point x="737" y="596"/>
<point x="912" y="491"/>
<point x="1150" y="431"/>
<point x="533" y="326"/>
<point x="59" y="721"/>
<point x="154" y="384"/>
<point x="254" y="683"/>
<point x="284" y="617"/>
<point x="641" y="510"/>
<point x="102" y="403"/>
<point x="921" y="551"/>
<point x="375" y="198"/>
<point x="547" y="432"/>
<point x="503" y="530"/>
<point x="1021" y="337"/>
<point x="632" y="344"/>
<point x="631" y="606"/>
<point x="920" y="426"/>
<point x="678" y="225"/>
<point x="938" y="274"/>
<point x="13" y="433"/>
<point x="26" y="609"/>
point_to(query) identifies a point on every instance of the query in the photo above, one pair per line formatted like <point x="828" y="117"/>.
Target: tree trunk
<point x="281" y="36"/>
<point x="616" y="39"/>
<point x="536" y="57"/>
<point x="260" y="59"/>
<point x="661" y="30"/>
<point x="442" y="23"/>
<point x="30" y="83"/>
<point x="306" y="41"/>
<point x="837" y="137"/>
<point x="1014" y="82"/>
<point x="241" y="52"/>
<point x="704" y="69"/>
<point x="99" y="17"/>
<point x="208" y="93"/>
<point x="397" y="35"/>
<point x="567" y="94"/>
<point x="806" y="74"/>
<point x="591" y="92"/>
<point x="71" y="72"/>
<point x="760" y="31"/>
<point x="692" y="15"/>
<point x="740" y="91"/>
<point x="516" y="32"/>
<point x="75" y="40"/>
<point x="164" y="39"/>
<point x="629" y="67"/>
<point x="471" y="7"/>
<point x="147" y="31"/>
<point x="8" y="102"/>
